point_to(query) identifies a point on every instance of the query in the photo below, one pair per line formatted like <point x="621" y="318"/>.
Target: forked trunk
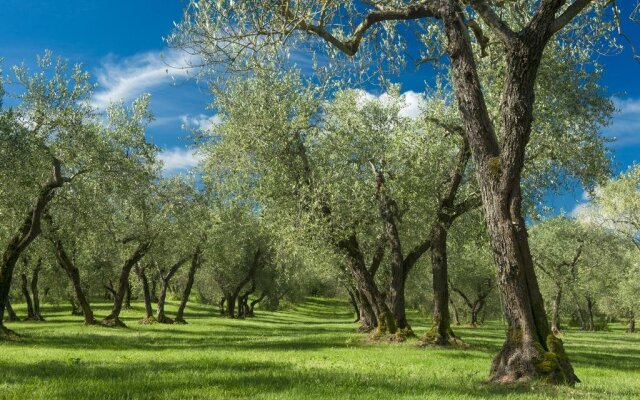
<point x="166" y="279"/>
<point x="368" y="320"/>
<point x="354" y="304"/>
<point x="113" y="319"/>
<point x="74" y="275"/>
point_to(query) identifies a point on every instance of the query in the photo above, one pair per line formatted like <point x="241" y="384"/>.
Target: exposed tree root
<point x="525" y="360"/>
<point x="113" y="323"/>
<point x="7" y="334"/>
<point x="148" y="320"/>
<point x="179" y="321"/>
<point x="435" y="338"/>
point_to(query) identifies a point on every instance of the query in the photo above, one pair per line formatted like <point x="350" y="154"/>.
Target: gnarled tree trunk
<point x="74" y="275"/>
<point x="113" y="319"/>
<point x="30" y="229"/>
<point x="160" y="314"/>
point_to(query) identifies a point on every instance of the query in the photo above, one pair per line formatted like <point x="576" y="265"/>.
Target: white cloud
<point x="130" y="77"/>
<point x="200" y="122"/>
<point x="625" y="127"/>
<point x="414" y="102"/>
<point x="177" y="159"/>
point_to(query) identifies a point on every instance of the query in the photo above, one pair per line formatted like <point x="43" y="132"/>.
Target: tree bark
<point x="37" y="314"/>
<point x="195" y="263"/>
<point x="146" y="295"/>
<point x="160" y="314"/>
<point x="113" y="319"/>
<point x="30" y="229"/>
<point x="231" y="305"/>
<point x="354" y="304"/>
<point x="127" y="297"/>
<point x="222" y="307"/>
<point x="632" y="325"/>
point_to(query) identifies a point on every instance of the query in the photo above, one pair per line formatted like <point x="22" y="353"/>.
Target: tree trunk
<point x="441" y="332"/>
<point x="555" y="313"/>
<point x="386" y="323"/>
<point x="30" y="229"/>
<point x="35" y="292"/>
<point x="632" y="325"/>
<point x="222" y="308"/>
<point x="456" y="316"/>
<point x="27" y="297"/>
<point x="240" y="307"/>
<point x="74" y="275"/>
<point x="368" y="320"/>
<point x="154" y="291"/>
<point x="11" y="314"/>
<point x="591" y="324"/>
<point x="195" y="263"/>
<point x="146" y="295"/>
<point x="113" y="319"/>
<point x="354" y="304"/>
<point x="75" y="308"/>
<point x="160" y="314"/>
<point x="127" y="297"/>
<point x="255" y="302"/>
<point x="231" y="306"/>
<point x="531" y="350"/>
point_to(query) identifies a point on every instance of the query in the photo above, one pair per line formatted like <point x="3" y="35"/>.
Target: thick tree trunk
<point x="27" y="297"/>
<point x="195" y="263"/>
<point x="74" y="275"/>
<point x="154" y="287"/>
<point x="127" y="297"/>
<point x="368" y="320"/>
<point x="146" y="295"/>
<point x="555" y="313"/>
<point x="35" y="292"/>
<point x="231" y="306"/>
<point x="113" y="319"/>
<point x="531" y="350"/>
<point x="441" y="332"/>
<point x="386" y="323"/>
<point x="160" y="314"/>
<point x="30" y="229"/>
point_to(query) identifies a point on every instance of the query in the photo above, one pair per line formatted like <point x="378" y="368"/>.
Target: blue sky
<point x="120" y="43"/>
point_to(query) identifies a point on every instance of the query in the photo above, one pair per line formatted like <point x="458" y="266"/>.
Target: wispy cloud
<point x="625" y="127"/>
<point x="127" y="78"/>
<point x="178" y="159"/>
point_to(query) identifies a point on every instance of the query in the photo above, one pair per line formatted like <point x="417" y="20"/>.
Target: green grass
<point x="308" y="352"/>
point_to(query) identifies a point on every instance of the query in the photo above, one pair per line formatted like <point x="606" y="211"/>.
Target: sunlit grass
<point x="310" y="351"/>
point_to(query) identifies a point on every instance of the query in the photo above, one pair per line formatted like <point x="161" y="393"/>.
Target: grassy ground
<point x="310" y="352"/>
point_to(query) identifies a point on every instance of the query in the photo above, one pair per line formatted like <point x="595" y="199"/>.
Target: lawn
<point x="311" y="351"/>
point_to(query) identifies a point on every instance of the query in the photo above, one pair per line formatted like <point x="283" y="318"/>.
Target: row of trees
<point x="307" y="182"/>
